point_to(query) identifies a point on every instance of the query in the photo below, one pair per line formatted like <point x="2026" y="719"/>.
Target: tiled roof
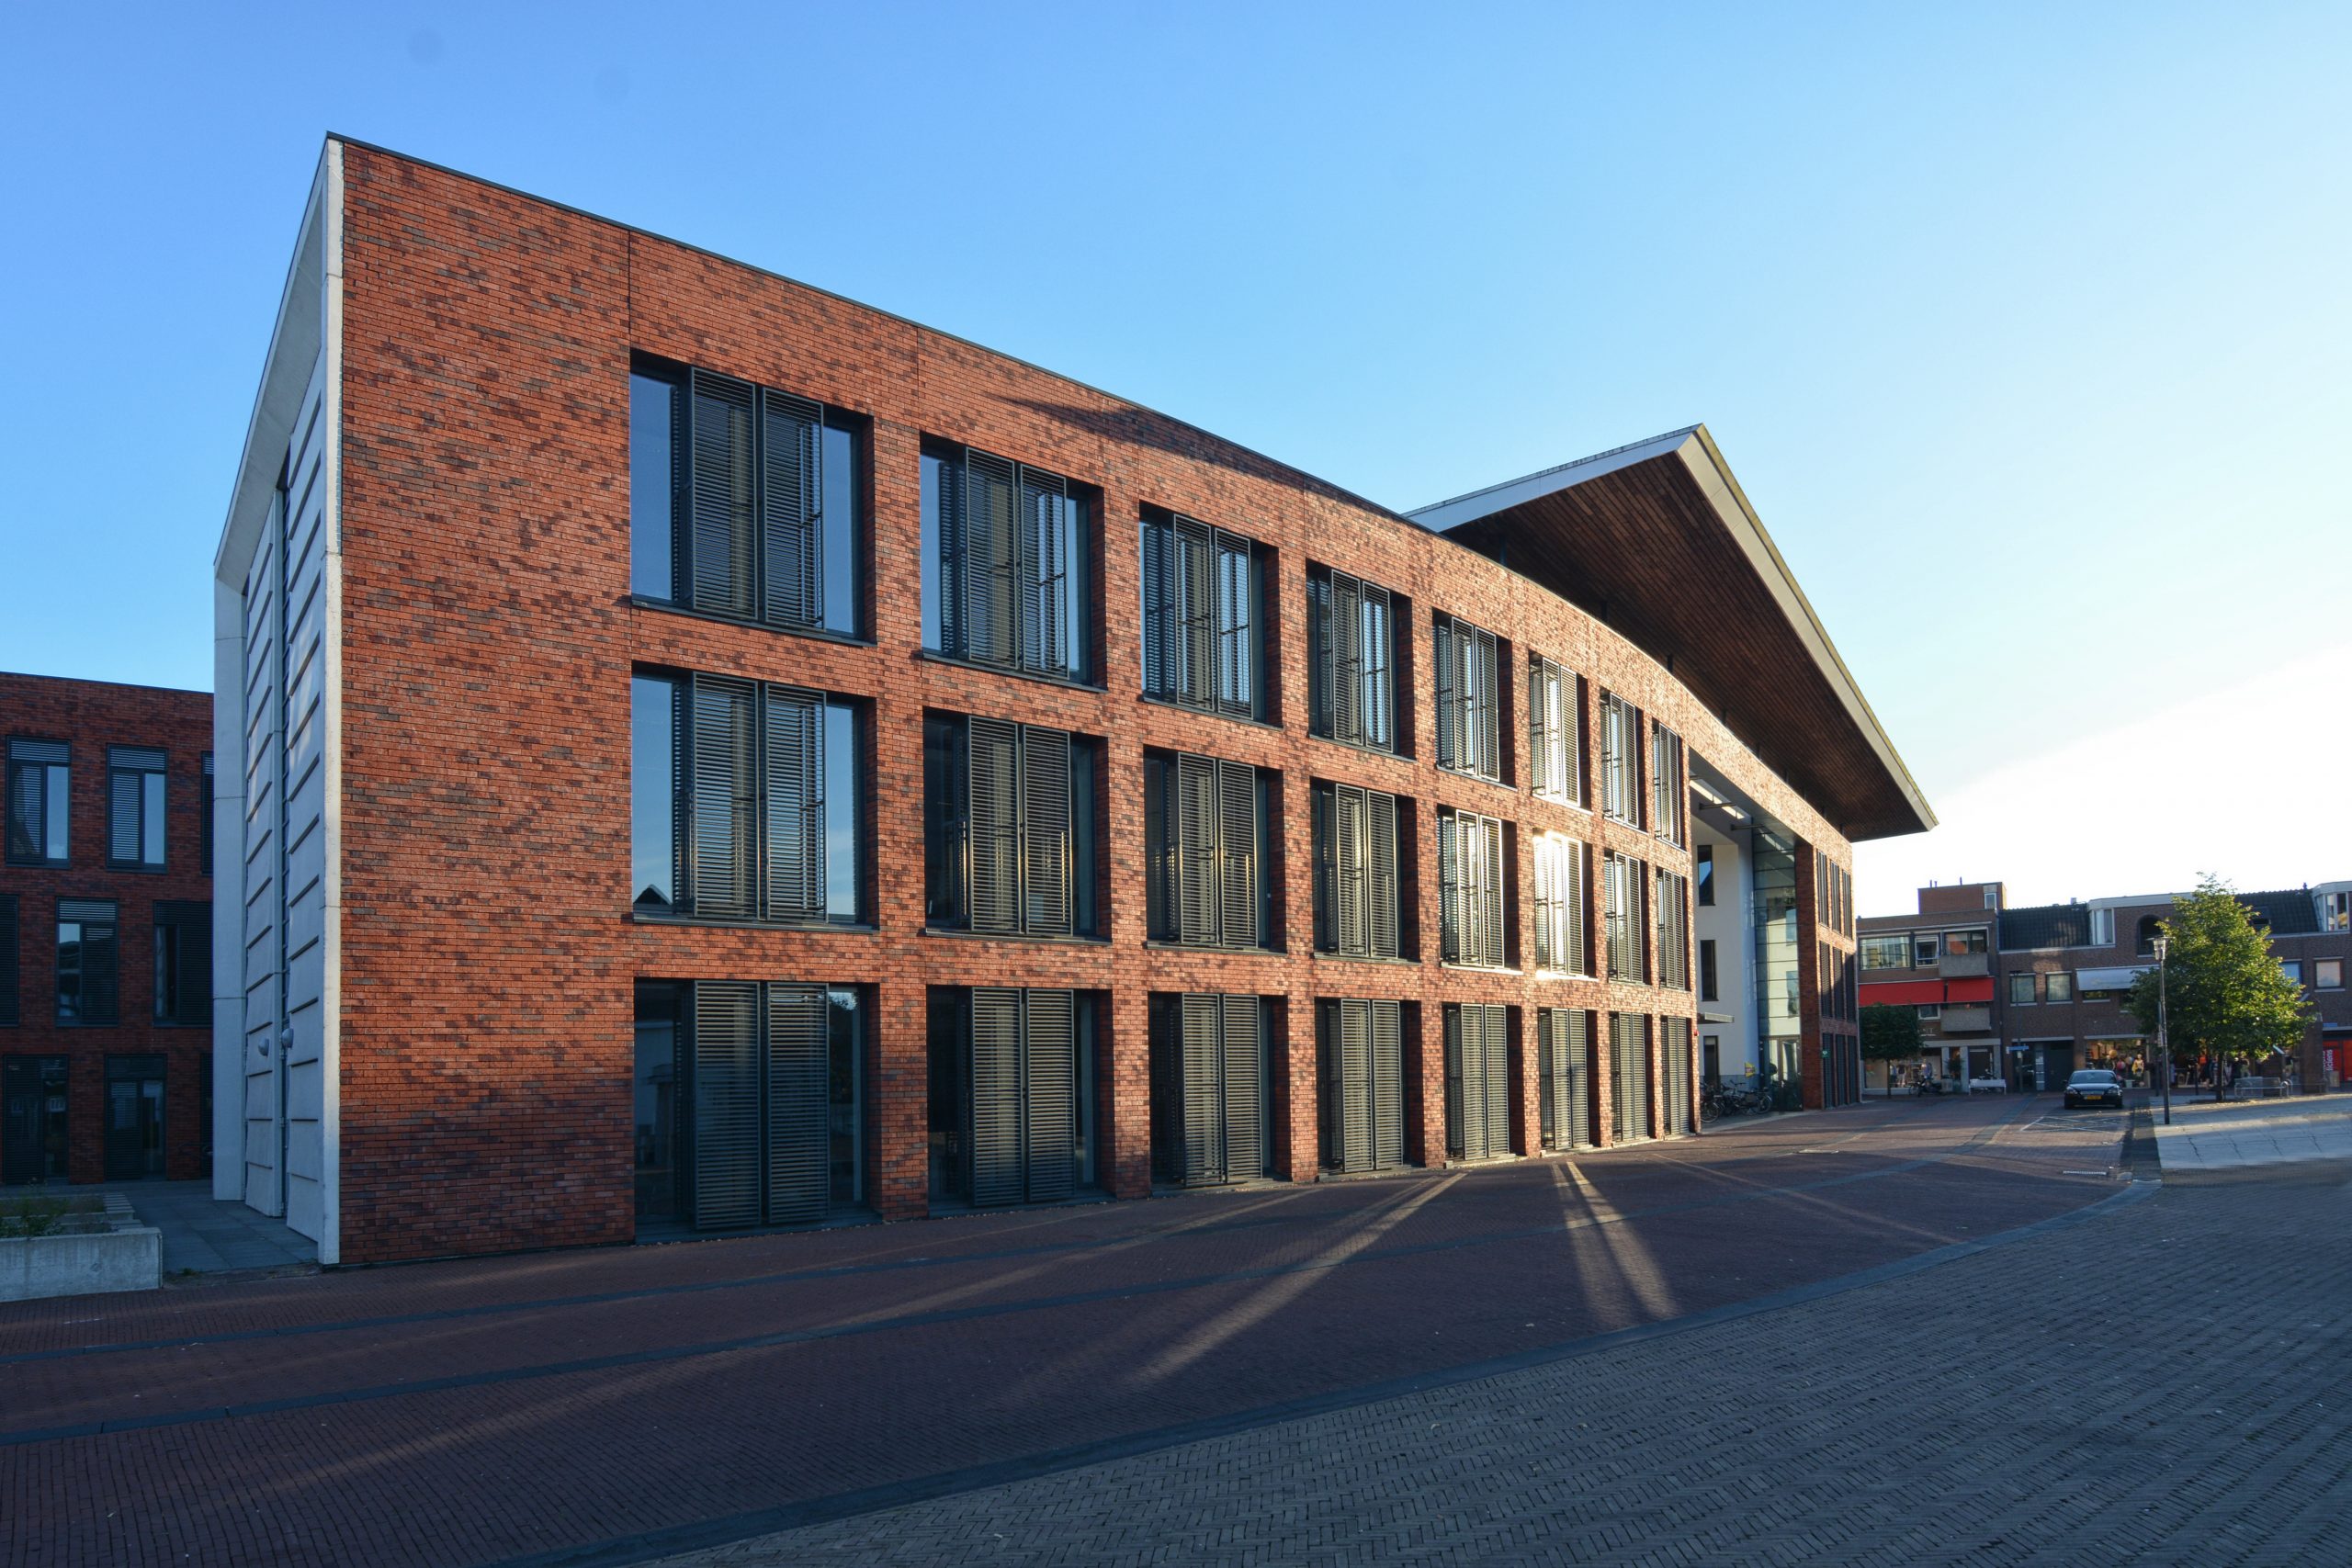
<point x="2290" y="913"/>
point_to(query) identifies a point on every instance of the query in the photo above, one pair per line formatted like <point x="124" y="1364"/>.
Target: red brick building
<point x="106" y="932"/>
<point x="713" y="754"/>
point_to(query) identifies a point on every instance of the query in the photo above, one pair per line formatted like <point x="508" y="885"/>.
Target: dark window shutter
<point x="1161" y="829"/>
<point x="1387" y="1051"/>
<point x="1045" y="631"/>
<point x="955" y="555"/>
<point x="10" y="938"/>
<point x="1450" y="747"/>
<point x="1380" y="832"/>
<point x="1486" y="715"/>
<point x="1466" y="1119"/>
<point x="1202" y="1070"/>
<point x="995" y="829"/>
<point x="1320" y="646"/>
<point x="1572" y="893"/>
<point x="1245" y="1155"/>
<point x="1238" y="842"/>
<point x="1375" y="633"/>
<point x="992" y="550"/>
<point x="1348" y="803"/>
<point x="1045" y="789"/>
<point x="1195" y="632"/>
<point x="1347" y="660"/>
<point x="720" y="459"/>
<point x="186" y="927"/>
<point x="1050" y="1081"/>
<point x="1495" y="1021"/>
<point x="791" y="504"/>
<point x="101" y="971"/>
<point x="999" y="1162"/>
<point x="1449" y="885"/>
<point x="795" y="804"/>
<point x="1158" y="608"/>
<point x="798" y="1136"/>
<point x="1630" y="1075"/>
<point x="1197" y="813"/>
<point x="1358" y="1093"/>
<point x="726" y="1103"/>
<point x="1323" y="829"/>
<point x="726" y="799"/>
<point x="1579" y="1054"/>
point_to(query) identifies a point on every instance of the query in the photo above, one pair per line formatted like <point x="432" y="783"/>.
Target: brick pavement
<point x="610" y="1406"/>
<point x="2160" y="1381"/>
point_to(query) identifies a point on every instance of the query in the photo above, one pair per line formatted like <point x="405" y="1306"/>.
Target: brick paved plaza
<point x="1293" y="1370"/>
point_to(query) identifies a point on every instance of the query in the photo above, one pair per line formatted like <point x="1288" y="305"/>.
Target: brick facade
<point x="488" y="635"/>
<point x="90" y="716"/>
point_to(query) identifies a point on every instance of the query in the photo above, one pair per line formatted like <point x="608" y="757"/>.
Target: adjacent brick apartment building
<point x="106" y="932"/>
<point x="2053" y="977"/>
<point x="711" y="754"/>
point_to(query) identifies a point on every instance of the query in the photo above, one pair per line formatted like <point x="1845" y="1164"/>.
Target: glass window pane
<point x="844" y="1027"/>
<point x="652" y="492"/>
<point x="56" y="798"/>
<point x="656" y="1096"/>
<point x="151" y="820"/>
<point x="842" y="530"/>
<point x="1076" y="582"/>
<point x="653" y="793"/>
<point x="844" y="805"/>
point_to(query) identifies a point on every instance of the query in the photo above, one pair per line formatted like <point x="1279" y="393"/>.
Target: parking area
<point x="623" y="1404"/>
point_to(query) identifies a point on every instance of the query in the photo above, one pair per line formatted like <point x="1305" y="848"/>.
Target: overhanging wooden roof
<point x="1657" y="541"/>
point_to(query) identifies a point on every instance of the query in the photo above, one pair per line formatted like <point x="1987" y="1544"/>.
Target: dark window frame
<point x="1206" y="647"/>
<point x="1351" y="684"/>
<point x="958" y="898"/>
<point x="1190" y="900"/>
<point x="1471" y="696"/>
<point x="22" y="850"/>
<point x="97" y="968"/>
<point x="1343" y="890"/>
<point x="127" y="768"/>
<point x="1474" y="916"/>
<point x="1011" y="635"/>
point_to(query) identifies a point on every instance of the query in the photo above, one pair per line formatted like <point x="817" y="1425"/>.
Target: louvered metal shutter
<point x="1555" y="1075"/>
<point x="954" y="556"/>
<point x="726" y="799"/>
<point x="1358" y="1093"/>
<point x="1320" y="646"/>
<point x="1203" y="1134"/>
<point x="1238" y="845"/>
<point x="795" y="804"/>
<point x="1347" y="658"/>
<point x="799" y="1136"/>
<point x="1348" y="810"/>
<point x="1241" y="1080"/>
<point x="995" y="825"/>
<point x="1450" y="743"/>
<point x="1449" y="887"/>
<point x="1576" y="909"/>
<point x="1464" y="1124"/>
<point x="1380" y="834"/>
<point x="1580" y="1070"/>
<point x="1044" y="830"/>
<point x="998" y="1157"/>
<point x="726" y="1103"/>
<point x="791" y="500"/>
<point x="1547" y="904"/>
<point x="100" y="954"/>
<point x="720" y="488"/>
<point x="1197" y="814"/>
<point x="1495" y="1065"/>
<point x="124" y="787"/>
<point x="1631" y="1074"/>
<point x="1160" y="612"/>
<point x="1386" y="1053"/>
<point x="1045" y="631"/>
<point x="1049" y="1061"/>
<point x="991" y="560"/>
<point x="1675" y="1047"/>
<point x="1195" y="630"/>
<point x="1484" y="716"/>
<point x="9" y="990"/>
<point x="1493" y="949"/>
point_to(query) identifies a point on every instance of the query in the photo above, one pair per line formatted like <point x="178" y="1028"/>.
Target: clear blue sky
<point x="2025" y="328"/>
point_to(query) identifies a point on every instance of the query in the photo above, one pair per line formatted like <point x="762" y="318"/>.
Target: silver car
<point x="2094" y="1085"/>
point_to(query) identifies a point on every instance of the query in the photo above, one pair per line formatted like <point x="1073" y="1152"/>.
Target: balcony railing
<point x="1963" y="965"/>
<point x="1967" y="1021"/>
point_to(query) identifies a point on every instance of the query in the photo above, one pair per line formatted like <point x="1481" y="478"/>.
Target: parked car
<point x="2094" y="1085"/>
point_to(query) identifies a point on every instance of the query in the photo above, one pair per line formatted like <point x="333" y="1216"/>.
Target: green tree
<point x="2224" y="994"/>
<point x="1890" y="1034"/>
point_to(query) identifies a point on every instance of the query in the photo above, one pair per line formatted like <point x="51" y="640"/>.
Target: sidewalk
<point x="202" y="1234"/>
<point x="2207" y="1136"/>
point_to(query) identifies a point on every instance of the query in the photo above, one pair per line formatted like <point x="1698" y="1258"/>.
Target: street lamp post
<point x="2163" y="1045"/>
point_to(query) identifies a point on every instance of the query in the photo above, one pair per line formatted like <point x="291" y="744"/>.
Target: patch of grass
<point x="34" y="1214"/>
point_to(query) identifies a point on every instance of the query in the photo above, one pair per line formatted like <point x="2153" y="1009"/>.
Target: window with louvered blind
<point x="88" y="962"/>
<point x="748" y="802"/>
<point x="746" y="502"/>
<point x="1011" y="1107"/>
<point x="1621" y="887"/>
<point x="1621" y="758"/>
<point x="1203" y="617"/>
<point x="1670" y="907"/>
<point x="1560" y="905"/>
<point x="135" y="808"/>
<point x="1469" y="699"/>
<point x="1477" y="1080"/>
<point x="1209" y="1088"/>
<point x="1008" y="564"/>
<point x="1359" y="900"/>
<point x="1471" y="858"/>
<point x="1360" y="1080"/>
<point x="1555" y="732"/>
<point x="1209" y="871"/>
<point x="184" y="963"/>
<point x="1564" y="1076"/>
<point x="1009" y="827"/>
<point x="1351" y="659"/>
<point x="1669" y="799"/>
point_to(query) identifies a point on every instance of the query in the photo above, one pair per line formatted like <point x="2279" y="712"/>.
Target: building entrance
<point x="134" y="1117"/>
<point x="32" y="1134"/>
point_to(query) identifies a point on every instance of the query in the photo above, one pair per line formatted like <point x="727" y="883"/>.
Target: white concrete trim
<point x="228" y="867"/>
